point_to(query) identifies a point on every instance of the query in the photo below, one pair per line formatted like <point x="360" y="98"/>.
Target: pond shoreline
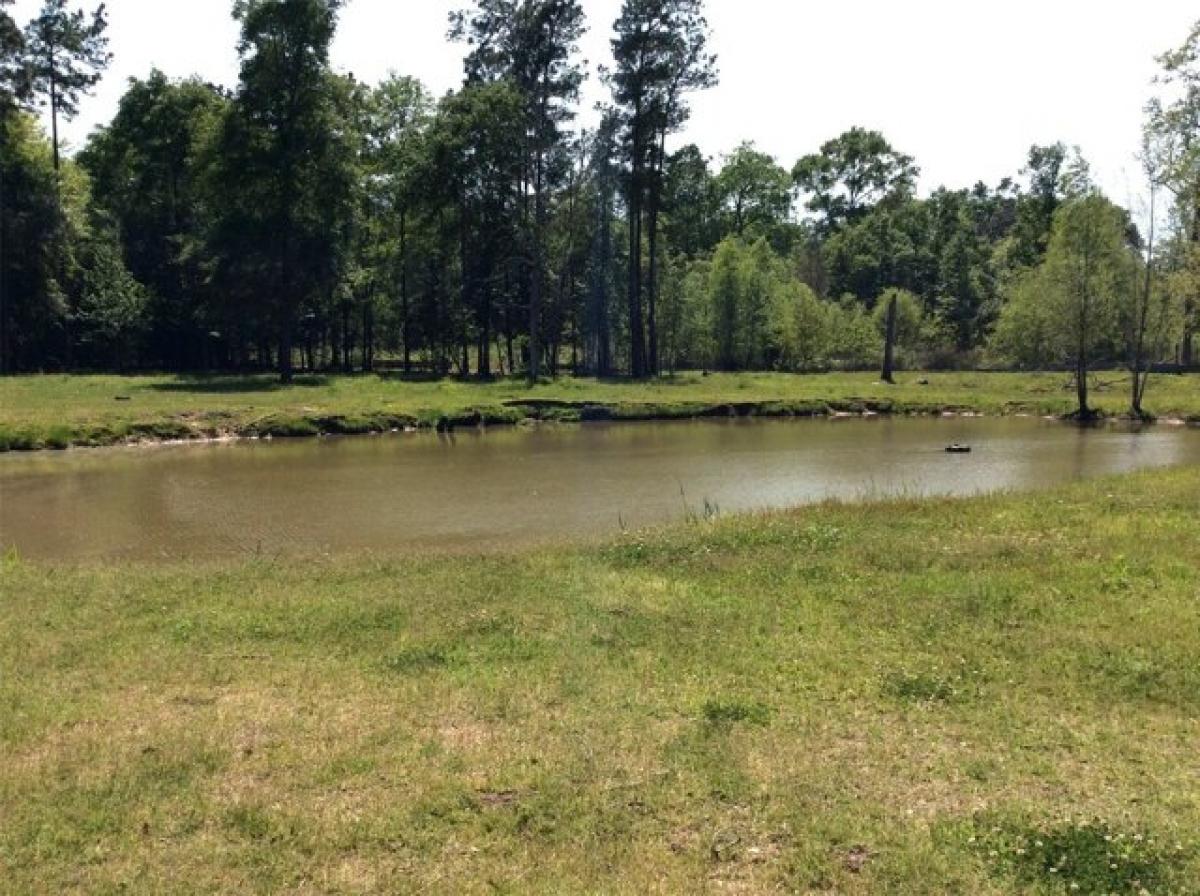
<point x="61" y="411"/>
<point x="187" y="429"/>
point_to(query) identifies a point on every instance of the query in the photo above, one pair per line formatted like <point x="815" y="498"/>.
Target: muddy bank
<point x="189" y="428"/>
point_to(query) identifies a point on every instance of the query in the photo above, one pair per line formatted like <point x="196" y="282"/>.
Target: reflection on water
<point x="482" y="490"/>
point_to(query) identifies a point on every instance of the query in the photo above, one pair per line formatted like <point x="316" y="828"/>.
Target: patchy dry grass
<point x="909" y="697"/>
<point x="58" y="411"/>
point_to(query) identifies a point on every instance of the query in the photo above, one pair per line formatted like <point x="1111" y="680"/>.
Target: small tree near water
<point x="1087" y="267"/>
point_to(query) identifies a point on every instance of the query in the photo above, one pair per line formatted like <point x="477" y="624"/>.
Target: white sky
<point x="966" y="86"/>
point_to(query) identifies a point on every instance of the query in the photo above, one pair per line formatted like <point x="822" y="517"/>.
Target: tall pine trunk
<point x="405" y="323"/>
<point x="484" y="362"/>
<point x="286" y="315"/>
<point x="537" y="259"/>
<point x="656" y="175"/>
<point x="597" y="348"/>
<point x="54" y="113"/>
<point x="368" y="340"/>
<point x="286" y="372"/>
<point x="347" y="341"/>
<point x="637" y="333"/>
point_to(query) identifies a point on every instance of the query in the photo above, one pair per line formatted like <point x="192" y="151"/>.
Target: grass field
<point x="989" y="696"/>
<point x="58" y="411"/>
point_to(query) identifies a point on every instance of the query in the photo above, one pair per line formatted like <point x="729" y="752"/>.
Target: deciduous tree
<point x="852" y="173"/>
<point x="755" y="191"/>
<point x="1086" y="269"/>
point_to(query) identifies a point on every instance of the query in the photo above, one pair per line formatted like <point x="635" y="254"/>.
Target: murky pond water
<point x="485" y="490"/>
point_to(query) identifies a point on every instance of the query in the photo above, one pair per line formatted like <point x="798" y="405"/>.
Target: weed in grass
<point x="1141" y="674"/>
<point x="708" y="511"/>
<point x="183" y="631"/>
<point x="57" y="438"/>
<point x="920" y="687"/>
<point x="1122" y="574"/>
<point x="499" y="416"/>
<point x="1085" y="856"/>
<point x="414" y="660"/>
<point x="285" y="427"/>
<point x="349" y="425"/>
<point x="251" y="822"/>
<point x="822" y="536"/>
<point x="161" y="430"/>
<point x="99" y="435"/>
<point x="17" y="440"/>
<point x="724" y="712"/>
<point x="560" y="415"/>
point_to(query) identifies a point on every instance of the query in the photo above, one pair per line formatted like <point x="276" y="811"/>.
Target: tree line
<point x="306" y="220"/>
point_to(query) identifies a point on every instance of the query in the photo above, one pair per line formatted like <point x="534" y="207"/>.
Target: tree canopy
<point x="304" y="219"/>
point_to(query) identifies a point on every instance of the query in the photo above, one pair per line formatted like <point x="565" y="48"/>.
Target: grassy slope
<point x="902" y="698"/>
<point x="56" y="410"/>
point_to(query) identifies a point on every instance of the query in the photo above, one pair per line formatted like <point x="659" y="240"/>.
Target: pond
<point x="473" y="491"/>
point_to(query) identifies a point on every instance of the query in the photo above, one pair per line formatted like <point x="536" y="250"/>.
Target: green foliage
<point x="1035" y="210"/>
<point x="692" y="204"/>
<point x="34" y="231"/>
<point x="14" y="74"/>
<point x="747" y="309"/>
<point x="112" y="309"/>
<point x="726" y="290"/>
<point x="1066" y="310"/>
<point x="800" y="326"/>
<point x="763" y="316"/>
<point x="66" y="54"/>
<point x="284" y="173"/>
<point x="147" y="169"/>
<point x="660" y="54"/>
<point x="755" y="192"/>
<point x="853" y="340"/>
<point x="851" y="173"/>
<point x="1173" y="158"/>
<point x="1026" y="330"/>
<point x="309" y="219"/>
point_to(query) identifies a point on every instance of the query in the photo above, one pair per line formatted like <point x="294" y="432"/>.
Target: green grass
<point x="54" y="411"/>
<point x="987" y="696"/>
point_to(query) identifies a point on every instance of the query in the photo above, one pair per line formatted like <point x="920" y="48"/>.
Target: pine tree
<point x="67" y="53"/>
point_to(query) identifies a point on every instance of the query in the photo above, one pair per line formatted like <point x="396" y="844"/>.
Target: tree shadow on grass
<point x="230" y="385"/>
